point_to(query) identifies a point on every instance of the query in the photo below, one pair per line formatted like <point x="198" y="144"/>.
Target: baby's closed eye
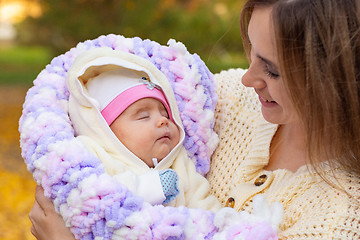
<point x="142" y="115"/>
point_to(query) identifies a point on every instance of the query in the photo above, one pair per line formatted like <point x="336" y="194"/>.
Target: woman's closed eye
<point x="269" y="72"/>
<point x="269" y="68"/>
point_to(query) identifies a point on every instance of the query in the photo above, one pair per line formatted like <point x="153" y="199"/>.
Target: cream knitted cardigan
<point x="312" y="208"/>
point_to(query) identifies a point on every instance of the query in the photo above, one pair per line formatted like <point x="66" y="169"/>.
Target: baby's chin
<point x="162" y="152"/>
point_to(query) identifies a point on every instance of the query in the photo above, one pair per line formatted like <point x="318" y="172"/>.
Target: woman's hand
<point x="46" y="222"/>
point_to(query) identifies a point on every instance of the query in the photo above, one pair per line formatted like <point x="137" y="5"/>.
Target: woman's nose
<point x="253" y="78"/>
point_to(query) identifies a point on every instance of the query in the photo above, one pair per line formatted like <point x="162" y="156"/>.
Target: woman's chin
<point x="270" y="117"/>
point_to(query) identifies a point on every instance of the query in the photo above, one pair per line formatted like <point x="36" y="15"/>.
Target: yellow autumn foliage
<point x="17" y="187"/>
<point x="16" y="200"/>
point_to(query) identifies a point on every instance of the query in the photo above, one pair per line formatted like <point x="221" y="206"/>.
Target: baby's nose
<point x="163" y="121"/>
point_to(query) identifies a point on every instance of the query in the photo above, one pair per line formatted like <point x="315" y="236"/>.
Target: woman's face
<point x="264" y="72"/>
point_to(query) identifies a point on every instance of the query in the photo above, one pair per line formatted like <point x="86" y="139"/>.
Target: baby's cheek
<point x="177" y="135"/>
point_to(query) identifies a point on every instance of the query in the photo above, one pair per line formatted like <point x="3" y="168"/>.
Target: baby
<point x="124" y="111"/>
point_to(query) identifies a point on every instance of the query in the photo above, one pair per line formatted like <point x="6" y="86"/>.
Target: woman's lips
<point x="267" y="103"/>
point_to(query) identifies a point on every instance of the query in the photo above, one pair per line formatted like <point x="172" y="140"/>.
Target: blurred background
<point x="32" y="32"/>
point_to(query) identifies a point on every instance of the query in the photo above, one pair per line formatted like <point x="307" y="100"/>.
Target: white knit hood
<point x="89" y="124"/>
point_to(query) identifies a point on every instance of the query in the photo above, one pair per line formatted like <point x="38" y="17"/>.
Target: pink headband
<point x="128" y="97"/>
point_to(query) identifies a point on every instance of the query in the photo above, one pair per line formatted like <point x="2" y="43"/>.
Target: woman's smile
<point x="267" y="103"/>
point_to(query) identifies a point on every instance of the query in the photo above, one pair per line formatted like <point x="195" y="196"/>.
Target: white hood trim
<point x="98" y="60"/>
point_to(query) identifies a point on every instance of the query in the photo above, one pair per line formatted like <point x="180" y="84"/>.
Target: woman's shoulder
<point x="349" y="224"/>
<point x="341" y="206"/>
<point x="344" y="183"/>
<point x="229" y="79"/>
<point x="231" y="92"/>
<point x="319" y="210"/>
<point x="231" y="71"/>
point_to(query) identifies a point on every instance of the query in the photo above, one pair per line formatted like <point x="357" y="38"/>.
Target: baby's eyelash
<point x="142" y="116"/>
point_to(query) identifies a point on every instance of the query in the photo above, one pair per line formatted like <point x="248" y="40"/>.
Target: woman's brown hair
<point x="318" y="46"/>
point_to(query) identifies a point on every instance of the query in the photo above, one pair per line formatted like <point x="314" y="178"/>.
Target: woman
<point x="293" y="133"/>
<point x="305" y="72"/>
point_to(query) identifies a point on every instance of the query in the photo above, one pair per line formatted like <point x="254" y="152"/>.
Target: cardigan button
<point x="230" y="202"/>
<point x="260" y="180"/>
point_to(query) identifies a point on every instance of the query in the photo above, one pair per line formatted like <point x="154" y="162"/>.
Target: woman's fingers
<point x="45" y="204"/>
<point x="36" y="215"/>
<point x="47" y="223"/>
<point x="36" y="212"/>
<point x="33" y="232"/>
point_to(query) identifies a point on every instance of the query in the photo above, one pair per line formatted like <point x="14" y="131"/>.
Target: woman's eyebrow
<point x="267" y="61"/>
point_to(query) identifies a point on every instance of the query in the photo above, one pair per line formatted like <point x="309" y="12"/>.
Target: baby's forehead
<point x="147" y="103"/>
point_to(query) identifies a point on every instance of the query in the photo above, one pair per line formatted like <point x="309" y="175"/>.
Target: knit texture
<point x="312" y="208"/>
<point x="92" y="203"/>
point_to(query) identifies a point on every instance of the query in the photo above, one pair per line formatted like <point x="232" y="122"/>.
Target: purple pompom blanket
<point x="90" y="201"/>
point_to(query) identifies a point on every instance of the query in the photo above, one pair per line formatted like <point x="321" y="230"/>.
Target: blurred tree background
<point x="207" y="27"/>
<point x="43" y="29"/>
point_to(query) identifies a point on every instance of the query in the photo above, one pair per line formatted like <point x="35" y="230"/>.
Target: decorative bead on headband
<point x="150" y="85"/>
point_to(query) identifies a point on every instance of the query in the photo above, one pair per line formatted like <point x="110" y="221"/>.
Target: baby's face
<point x="146" y="130"/>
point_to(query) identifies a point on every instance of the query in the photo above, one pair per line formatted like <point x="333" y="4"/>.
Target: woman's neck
<point x="287" y="149"/>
